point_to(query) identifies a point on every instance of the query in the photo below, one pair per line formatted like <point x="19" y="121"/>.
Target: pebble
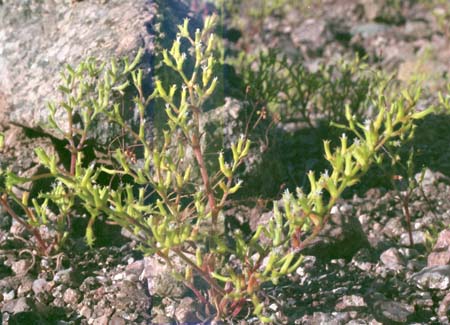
<point x="394" y="311"/>
<point x="9" y="295"/>
<point x="20" y="267"/>
<point x="102" y="320"/>
<point x="40" y="285"/>
<point x="350" y="302"/>
<point x="16" y="306"/>
<point x="71" y="296"/>
<point x="435" y="277"/>
<point x="441" y="250"/>
<point x="392" y="259"/>
<point x="86" y="312"/>
<point x="63" y="276"/>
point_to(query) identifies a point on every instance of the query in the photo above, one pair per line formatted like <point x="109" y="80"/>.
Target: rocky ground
<point x="362" y="270"/>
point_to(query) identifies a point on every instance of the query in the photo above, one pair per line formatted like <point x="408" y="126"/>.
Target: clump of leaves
<point x="295" y="93"/>
<point x="49" y="229"/>
<point x="394" y="123"/>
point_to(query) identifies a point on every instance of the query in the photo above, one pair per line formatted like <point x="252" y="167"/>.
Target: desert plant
<point x="350" y="161"/>
<point x="173" y="214"/>
<point x="294" y="93"/>
<point x="169" y="196"/>
<point x="49" y="230"/>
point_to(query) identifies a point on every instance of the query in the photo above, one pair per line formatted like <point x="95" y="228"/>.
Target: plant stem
<point x="41" y="243"/>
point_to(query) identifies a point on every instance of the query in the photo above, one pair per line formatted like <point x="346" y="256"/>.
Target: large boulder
<point x="37" y="38"/>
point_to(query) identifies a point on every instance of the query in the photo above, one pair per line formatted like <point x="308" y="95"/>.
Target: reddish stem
<point x="41" y="243"/>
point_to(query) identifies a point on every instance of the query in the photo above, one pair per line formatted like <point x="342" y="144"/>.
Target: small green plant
<point x="350" y="161"/>
<point x="37" y="214"/>
<point x="294" y="93"/>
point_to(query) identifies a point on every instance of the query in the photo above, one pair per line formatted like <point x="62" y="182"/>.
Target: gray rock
<point x="326" y="318"/>
<point x="63" y="276"/>
<point x="86" y="312"/>
<point x="71" y="296"/>
<point x="7" y="296"/>
<point x="37" y="38"/>
<point x="16" y="306"/>
<point x="392" y="311"/>
<point x="311" y="33"/>
<point x="418" y="238"/>
<point x="369" y="29"/>
<point x="159" y="279"/>
<point x="25" y="287"/>
<point x="40" y="285"/>
<point x="394" y="227"/>
<point x="117" y="320"/>
<point x="429" y="178"/>
<point x="102" y="320"/>
<point x="417" y="29"/>
<point x="186" y="311"/>
<point x="435" y="277"/>
<point x="441" y="250"/>
<point x="351" y="302"/>
<point x="135" y="267"/>
<point x="392" y="259"/>
<point x="20" y="267"/>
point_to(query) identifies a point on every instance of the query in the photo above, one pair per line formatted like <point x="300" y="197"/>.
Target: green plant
<point x="349" y="162"/>
<point x="164" y="189"/>
<point x="174" y="214"/>
<point x="294" y="93"/>
<point x="49" y="230"/>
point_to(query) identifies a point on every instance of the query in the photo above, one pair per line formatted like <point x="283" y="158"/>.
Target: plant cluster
<point x="162" y="188"/>
<point x="294" y="93"/>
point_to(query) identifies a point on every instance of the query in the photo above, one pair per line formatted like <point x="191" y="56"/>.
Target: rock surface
<point x="37" y="38"/>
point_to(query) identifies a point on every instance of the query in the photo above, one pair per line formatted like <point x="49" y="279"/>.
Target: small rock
<point x="135" y="267"/>
<point x="444" y="306"/>
<point x="350" y="302"/>
<point x="332" y="319"/>
<point x="116" y="320"/>
<point x="86" y="312"/>
<point x="311" y="33"/>
<point x="418" y="238"/>
<point x="159" y="279"/>
<point x="16" y="228"/>
<point x="393" y="311"/>
<point x="20" y="267"/>
<point x="307" y="265"/>
<point x="369" y="29"/>
<point x="25" y="287"/>
<point x="103" y="320"/>
<point x="394" y="227"/>
<point x="40" y="285"/>
<point x="9" y="295"/>
<point x="71" y="296"/>
<point x="435" y="277"/>
<point x="392" y="259"/>
<point x="90" y="283"/>
<point x="63" y="276"/>
<point x="441" y="250"/>
<point x="16" y="306"/>
<point x="119" y="276"/>
<point x="186" y="311"/>
<point x="430" y="178"/>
